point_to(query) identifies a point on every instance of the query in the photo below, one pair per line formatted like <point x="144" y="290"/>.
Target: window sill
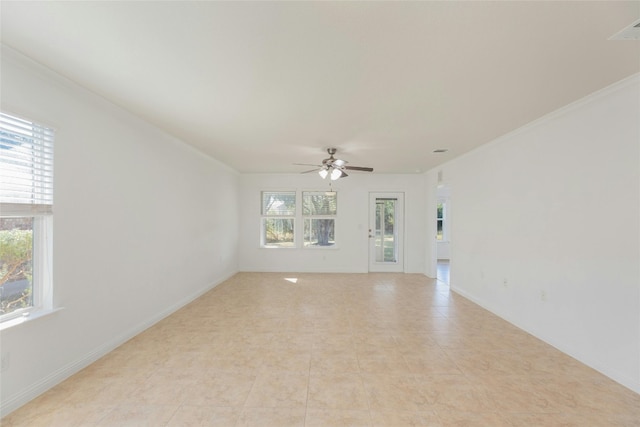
<point x="320" y="248"/>
<point x="28" y="317"/>
<point x="305" y="248"/>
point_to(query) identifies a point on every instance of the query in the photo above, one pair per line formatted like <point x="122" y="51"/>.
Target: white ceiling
<point x="262" y="85"/>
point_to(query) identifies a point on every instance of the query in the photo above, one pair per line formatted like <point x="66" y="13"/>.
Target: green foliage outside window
<point x="16" y="253"/>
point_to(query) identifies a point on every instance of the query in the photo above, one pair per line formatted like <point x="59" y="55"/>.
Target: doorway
<point x="386" y="232"/>
<point x="443" y="232"/>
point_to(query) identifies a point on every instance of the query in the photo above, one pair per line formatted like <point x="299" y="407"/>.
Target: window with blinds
<point x="319" y="210"/>
<point x="26" y="210"/>
<point x="278" y="219"/>
<point x="26" y="166"/>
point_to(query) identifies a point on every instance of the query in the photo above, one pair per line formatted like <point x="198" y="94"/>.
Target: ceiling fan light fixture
<point x="333" y="168"/>
<point x="336" y="174"/>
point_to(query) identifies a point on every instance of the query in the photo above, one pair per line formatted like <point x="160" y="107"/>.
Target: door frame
<point x="398" y="266"/>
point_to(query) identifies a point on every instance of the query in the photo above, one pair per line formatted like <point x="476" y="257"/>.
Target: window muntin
<point x="26" y="205"/>
<point x="278" y="219"/>
<point x="319" y="210"/>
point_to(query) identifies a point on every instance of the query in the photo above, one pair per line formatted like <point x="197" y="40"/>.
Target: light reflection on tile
<point x="357" y="349"/>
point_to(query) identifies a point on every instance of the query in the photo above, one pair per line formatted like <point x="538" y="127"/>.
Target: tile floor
<point x="281" y="350"/>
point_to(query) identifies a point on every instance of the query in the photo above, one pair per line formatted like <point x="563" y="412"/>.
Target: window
<point x="26" y="209"/>
<point x="319" y="210"/>
<point x="441" y="220"/>
<point x="278" y="219"/>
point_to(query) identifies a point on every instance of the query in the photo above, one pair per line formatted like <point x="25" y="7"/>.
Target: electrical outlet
<point x="543" y="296"/>
<point x="4" y="362"/>
<point x="505" y="282"/>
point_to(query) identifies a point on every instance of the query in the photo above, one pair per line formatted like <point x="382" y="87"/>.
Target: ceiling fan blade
<point x="306" y="164"/>
<point x="312" y="170"/>
<point x="359" y="168"/>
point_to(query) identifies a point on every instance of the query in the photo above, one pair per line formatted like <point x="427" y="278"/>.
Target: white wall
<point x="351" y="254"/>
<point x="545" y="230"/>
<point x="444" y="250"/>
<point x="142" y="225"/>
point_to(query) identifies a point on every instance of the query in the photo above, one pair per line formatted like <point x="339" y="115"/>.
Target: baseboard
<point x="612" y="374"/>
<point x="14" y="402"/>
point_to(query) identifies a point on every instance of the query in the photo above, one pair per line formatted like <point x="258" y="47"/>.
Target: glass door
<point x="385" y="232"/>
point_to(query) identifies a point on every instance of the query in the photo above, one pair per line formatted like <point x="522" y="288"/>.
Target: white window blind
<point x="26" y="167"/>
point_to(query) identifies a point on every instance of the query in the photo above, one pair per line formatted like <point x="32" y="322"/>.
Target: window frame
<point x="38" y="206"/>
<point x="312" y="217"/>
<point x="298" y="219"/>
<point x="264" y="216"/>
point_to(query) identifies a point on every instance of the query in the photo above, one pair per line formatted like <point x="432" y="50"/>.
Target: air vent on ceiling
<point x="632" y="32"/>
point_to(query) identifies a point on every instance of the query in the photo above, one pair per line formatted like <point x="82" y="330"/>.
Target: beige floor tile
<point x="375" y="341"/>
<point x="582" y="396"/>
<point x="518" y="394"/>
<point x="139" y="416"/>
<point x="570" y="420"/>
<point x="279" y="390"/>
<point x="491" y="363"/>
<point x="236" y="364"/>
<point x="455" y="393"/>
<point x="336" y="361"/>
<point x="294" y="341"/>
<point x="415" y="341"/>
<point x="115" y="392"/>
<point x="272" y="417"/>
<point x="165" y="387"/>
<point x="383" y="363"/>
<point x="340" y="349"/>
<point x="337" y="418"/>
<point x="405" y="419"/>
<point x="395" y="393"/>
<point x="204" y="416"/>
<point x="219" y="389"/>
<point x="324" y="341"/>
<point x="284" y="359"/>
<point x="63" y="416"/>
<point x="430" y="361"/>
<point x="336" y="391"/>
<point x="475" y="419"/>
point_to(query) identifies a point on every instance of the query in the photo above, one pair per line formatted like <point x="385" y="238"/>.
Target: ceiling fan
<point x="333" y="168"/>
